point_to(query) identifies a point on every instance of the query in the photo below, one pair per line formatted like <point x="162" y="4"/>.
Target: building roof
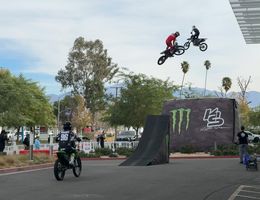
<point x="247" y="13"/>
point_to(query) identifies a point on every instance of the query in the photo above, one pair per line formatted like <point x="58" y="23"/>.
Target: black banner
<point x="202" y="123"/>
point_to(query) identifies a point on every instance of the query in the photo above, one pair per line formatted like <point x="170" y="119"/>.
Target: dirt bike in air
<point x="178" y="50"/>
<point x="200" y="42"/>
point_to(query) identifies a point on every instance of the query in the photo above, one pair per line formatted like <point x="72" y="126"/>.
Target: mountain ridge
<point x="253" y="97"/>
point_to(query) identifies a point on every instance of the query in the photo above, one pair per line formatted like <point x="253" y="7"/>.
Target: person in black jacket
<point x="195" y="34"/>
<point x="102" y="139"/>
<point x="26" y="142"/>
<point x="67" y="139"/>
<point x="243" y="143"/>
<point x="3" y="138"/>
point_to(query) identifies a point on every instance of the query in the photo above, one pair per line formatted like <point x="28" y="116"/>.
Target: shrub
<point x="82" y="154"/>
<point x="225" y="150"/>
<point x="124" y="151"/>
<point x="187" y="149"/>
<point x="103" y="151"/>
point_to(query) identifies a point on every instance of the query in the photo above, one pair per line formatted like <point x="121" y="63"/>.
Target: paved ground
<point x="182" y="179"/>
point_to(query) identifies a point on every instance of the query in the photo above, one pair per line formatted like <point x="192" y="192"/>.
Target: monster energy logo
<point x="183" y="113"/>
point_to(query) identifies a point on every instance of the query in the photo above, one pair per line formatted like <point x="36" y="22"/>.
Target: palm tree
<point x="185" y="69"/>
<point x="207" y="64"/>
<point x="226" y="84"/>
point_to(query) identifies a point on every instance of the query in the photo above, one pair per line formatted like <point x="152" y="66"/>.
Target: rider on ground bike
<point x="66" y="139"/>
<point x="170" y="41"/>
<point x="194" y="34"/>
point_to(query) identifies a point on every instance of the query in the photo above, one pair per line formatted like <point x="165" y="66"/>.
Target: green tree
<point x="185" y="68"/>
<point x="207" y="64"/>
<point x="140" y="97"/>
<point x="89" y="68"/>
<point x="226" y="84"/>
<point x="81" y="117"/>
<point x="254" y="117"/>
<point x="23" y="102"/>
<point x="244" y="111"/>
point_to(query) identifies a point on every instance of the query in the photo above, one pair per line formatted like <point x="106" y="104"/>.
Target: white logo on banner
<point x="213" y="118"/>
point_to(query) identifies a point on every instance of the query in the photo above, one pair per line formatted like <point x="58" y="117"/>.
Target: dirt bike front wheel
<point x="180" y="50"/>
<point x="186" y="45"/>
<point x="161" y="60"/>
<point x="59" y="171"/>
<point x="203" y="46"/>
<point x="77" y="167"/>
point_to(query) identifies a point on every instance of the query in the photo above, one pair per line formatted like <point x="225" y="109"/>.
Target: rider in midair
<point x="194" y="33"/>
<point x="171" y="40"/>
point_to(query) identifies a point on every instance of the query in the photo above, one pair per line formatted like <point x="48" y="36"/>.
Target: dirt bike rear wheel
<point x="203" y="46"/>
<point x="77" y="168"/>
<point x="186" y="45"/>
<point x="59" y="171"/>
<point x="161" y="60"/>
<point x="180" y="50"/>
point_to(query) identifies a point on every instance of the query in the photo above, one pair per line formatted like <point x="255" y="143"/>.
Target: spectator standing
<point x="3" y="138"/>
<point x="102" y="139"/>
<point x="26" y="142"/>
<point x="37" y="143"/>
<point x="243" y="143"/>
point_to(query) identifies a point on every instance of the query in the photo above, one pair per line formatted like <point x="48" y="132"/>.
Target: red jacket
<point x="170" y="39"/>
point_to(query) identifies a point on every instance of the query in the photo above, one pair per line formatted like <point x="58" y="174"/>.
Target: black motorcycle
<point x="63" y="163"/>
<point x="178" y="50"/>
<point x="200" y="42"/>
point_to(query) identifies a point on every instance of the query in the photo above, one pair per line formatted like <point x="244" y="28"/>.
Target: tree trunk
<point x="205" y="82"/>
<point x="182" y="84"/>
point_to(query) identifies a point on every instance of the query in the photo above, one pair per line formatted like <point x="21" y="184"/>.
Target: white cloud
<point x="134" y="34"/>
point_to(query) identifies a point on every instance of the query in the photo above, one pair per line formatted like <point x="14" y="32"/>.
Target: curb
<point x="47" y="165"/>
<point x="25" y="168"/>
<point x="202" y="157"/>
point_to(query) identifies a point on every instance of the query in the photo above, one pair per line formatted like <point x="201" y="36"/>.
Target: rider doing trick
<point x="170" y="41"/>
<point x="195" y="33"/>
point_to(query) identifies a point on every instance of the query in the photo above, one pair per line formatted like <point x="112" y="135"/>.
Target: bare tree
<point x="243" y="85"/>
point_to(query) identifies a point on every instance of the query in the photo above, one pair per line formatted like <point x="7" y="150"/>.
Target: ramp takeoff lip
<point x="153" y="147"/>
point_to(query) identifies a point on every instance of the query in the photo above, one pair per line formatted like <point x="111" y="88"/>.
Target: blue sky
<point x="36" y="36"/>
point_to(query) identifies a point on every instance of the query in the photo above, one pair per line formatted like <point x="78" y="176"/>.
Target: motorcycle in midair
<point x="178" y="50"/>
<point x="200" y="42"/>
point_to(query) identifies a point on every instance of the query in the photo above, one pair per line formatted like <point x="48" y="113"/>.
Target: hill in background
<point x="252" y="96"/>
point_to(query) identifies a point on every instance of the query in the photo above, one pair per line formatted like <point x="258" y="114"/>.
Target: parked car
<point x="253" y="137"/>
<point x="126" y="136"/>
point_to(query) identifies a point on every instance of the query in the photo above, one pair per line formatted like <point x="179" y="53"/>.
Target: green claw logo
<point x="183" y="113"/>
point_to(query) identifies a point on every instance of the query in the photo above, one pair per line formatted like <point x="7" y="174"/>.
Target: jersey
<point x="242" y="137"/>
<point x="196" y="31"/>
<point x="65" y="138"/>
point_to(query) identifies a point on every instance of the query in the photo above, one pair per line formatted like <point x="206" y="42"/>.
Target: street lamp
<point x="58" y="117"/>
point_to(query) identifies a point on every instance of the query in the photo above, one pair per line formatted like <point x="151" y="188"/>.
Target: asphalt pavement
<point x="181" y="179"/>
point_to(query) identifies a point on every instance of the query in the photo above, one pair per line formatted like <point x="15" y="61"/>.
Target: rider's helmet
<point x="67" y="126"/>
<point x="177" y="34"/>
<point x="193" y="27"/>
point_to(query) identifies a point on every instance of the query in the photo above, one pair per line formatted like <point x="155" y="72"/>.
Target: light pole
<point x="58" y="117"/>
